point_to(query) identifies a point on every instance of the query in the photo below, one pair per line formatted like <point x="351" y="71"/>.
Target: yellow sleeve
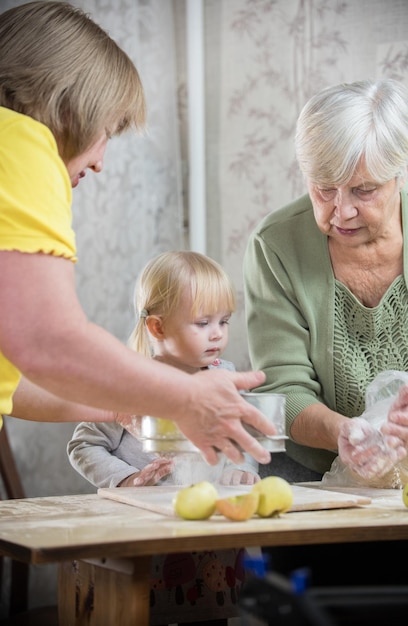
<point x="35" y="206"/>
<point x="35" y="189"/>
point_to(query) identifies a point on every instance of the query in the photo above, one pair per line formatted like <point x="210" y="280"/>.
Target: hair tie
<point x="144" y="313"/>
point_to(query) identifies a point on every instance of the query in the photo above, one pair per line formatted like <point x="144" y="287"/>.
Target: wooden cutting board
<point x="160" y="498"/>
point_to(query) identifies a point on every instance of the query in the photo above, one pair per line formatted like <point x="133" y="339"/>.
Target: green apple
<point x="405" y="494"/>
<point x="196" y="501"/>
<point x="275" y="496"/>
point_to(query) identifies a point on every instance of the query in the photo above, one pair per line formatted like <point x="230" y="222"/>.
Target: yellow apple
<point x="196" y="501"/>
<point x="238" y="508"/>
<point x="275" y="496"/>
<point x="405" y="494"/>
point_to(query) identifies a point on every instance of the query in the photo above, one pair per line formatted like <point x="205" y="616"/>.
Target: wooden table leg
<point x="104" y="591"/>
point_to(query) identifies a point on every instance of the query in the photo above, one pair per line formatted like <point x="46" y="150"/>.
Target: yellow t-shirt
<point x="35" y="206"/>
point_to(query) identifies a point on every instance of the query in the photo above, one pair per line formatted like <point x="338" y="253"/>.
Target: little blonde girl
<point x="183" y="301"/>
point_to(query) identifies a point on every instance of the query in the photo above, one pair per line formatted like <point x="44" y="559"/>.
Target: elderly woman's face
<point x="359" y="212"/>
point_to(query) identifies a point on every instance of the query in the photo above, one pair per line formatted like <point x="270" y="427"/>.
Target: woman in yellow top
<point x="65" y="89"/>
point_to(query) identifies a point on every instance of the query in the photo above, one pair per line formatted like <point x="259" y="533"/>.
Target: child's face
<point x="191" y="344"/>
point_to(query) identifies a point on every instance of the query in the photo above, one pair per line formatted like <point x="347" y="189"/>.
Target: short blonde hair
<point x="62" y="69"/>
<point x="168" y="279"/>
<point x="346" y="123"/>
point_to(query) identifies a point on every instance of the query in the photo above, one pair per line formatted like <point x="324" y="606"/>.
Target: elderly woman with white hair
<point x="326" y="282"/>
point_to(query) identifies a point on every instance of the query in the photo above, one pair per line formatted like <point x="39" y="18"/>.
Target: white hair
<point x="347" y="123"/>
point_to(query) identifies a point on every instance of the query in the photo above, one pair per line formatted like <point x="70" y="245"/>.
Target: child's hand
<point x="132" y="423"/>
<point x="233" y="476"/>
<point x="149" y="475"/>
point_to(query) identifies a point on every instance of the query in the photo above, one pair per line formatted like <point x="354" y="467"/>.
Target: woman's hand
<point x="215" y="415"/>
<point x="397" y="419"/>
<point x="366" y="450"/>
<point x="150" y="475"/>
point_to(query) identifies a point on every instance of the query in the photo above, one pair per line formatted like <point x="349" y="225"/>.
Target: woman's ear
<point x="154" y="325"/>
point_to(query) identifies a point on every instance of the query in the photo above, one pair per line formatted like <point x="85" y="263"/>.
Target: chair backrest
<point x="13" y="487"/>
<point x="8" y="468"/>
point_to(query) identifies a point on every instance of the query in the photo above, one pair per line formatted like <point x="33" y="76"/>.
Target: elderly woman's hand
<point x="397" y="419"/>
<point x="368" y="451"/>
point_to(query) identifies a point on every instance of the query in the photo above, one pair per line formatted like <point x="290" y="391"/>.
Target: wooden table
<point x="104" y="548"/>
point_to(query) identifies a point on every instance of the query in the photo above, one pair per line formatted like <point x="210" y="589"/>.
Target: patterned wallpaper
<point x="273" y="55"/>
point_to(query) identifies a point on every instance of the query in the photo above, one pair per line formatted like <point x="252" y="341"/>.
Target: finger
<point x="139" y="482"/>
<point x="401" y="400"/>
<point x="258" y="452"/>
<point x="253" y="416"/>
<point x="392" y="442"/>
<point x="248" y="380"/>
<point x="230" y="450"/>
<point x="210" y="455"/>
<point x="245" y="478"/>
<point x="163" y="471"/>
<point x="247" y="444"/>
<point x="396" y="432"/>
<point x="227" y="478"/>
<point x="250" y="479"/>
<point x="147" y="474"/>
<point x="161" y="462"/>
<point x="398" y="417"/>
<point x="142" y="480"/>
<point x="149" y="479"/>
<point x="239" y="441"/>
<point x="236" y="478"/>
<point x="401" y="452"/>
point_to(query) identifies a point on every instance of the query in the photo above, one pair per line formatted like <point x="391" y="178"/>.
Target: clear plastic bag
<point x="380" y="395"/>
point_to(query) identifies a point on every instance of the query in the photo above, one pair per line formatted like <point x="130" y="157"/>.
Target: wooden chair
<point x="13" y="487"/>
<point x="19" y="613"/>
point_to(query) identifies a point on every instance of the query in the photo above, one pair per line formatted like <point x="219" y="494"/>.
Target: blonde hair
<point x="171" y="277"/>
<point x="348" y="122"/>
<point x="62" y="69"/>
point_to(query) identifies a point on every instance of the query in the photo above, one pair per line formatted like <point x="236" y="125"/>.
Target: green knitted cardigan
<point x="289" y="298"/>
